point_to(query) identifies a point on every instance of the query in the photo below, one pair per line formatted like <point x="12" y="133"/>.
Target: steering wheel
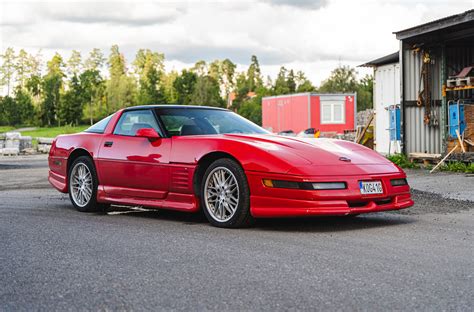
<point x="234" y="131"/>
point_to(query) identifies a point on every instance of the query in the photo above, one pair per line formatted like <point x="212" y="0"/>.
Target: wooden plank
<point x="362" y="134"/>
<point x="424" y="156"/>
<point x="460" y="141"/>
<point x="444" y="158"/>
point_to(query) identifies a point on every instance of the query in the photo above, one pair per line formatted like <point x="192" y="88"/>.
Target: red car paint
<point x="160" y="173"/>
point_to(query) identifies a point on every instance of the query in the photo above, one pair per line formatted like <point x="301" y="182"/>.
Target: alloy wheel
<point x="221" y="194"/>
<point x="81" y="184"/>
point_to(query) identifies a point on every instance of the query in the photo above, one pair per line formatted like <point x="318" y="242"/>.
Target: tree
<point x="8" y="111"/>
<point x="252" y="109"/>
<point x="74" y="63"/>
<point x="365" y="91"/>
<point x="342" y="79"/>
<point x="95" y="61"/>
<point x="281" y="82"/>
<point x="228" y="76"/>
<point x="184" y="86"/>
<point x="167" y="84"/>
<point x="52" y="86"/>
<point x="70" y="110"/>
<point x="291" y="81"/>
<point x="91" y="84"/>
<point x="34" y="82"/>
<point x="254" y="75"/>
<point x="303" y="84"/>
<point x="25" y="109"/>
<point x="200" y="68"/>
<point x="120" y="88"/>
<point x="206" y="92"/>
<point x="149" y="67"/>
<point x="22" y="68"/>
<point x="7" y="68"/>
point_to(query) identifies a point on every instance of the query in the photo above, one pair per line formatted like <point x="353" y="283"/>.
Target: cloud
<point x="313" y="36"/>
<point x="303" y="4"/>
<point x="116" y="13"/>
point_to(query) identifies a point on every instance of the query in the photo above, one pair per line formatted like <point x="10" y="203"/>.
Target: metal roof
<point x="387" y="59"/>
<point x="172" y="106"/>
<point x="439" y="24"/>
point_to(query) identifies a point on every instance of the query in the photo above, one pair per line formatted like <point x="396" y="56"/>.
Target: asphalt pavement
<point x="54" y="258"/>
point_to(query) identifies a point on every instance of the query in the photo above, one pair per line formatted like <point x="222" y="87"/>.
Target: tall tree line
<point x="84" y="89"/>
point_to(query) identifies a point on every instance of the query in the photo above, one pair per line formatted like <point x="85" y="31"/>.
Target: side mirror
<point x="148" y="133"/>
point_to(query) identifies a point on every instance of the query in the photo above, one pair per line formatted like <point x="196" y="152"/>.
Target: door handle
<point x="108" y="143"/>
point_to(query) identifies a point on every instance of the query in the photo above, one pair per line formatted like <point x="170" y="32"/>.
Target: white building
<point x="386" y="94"/>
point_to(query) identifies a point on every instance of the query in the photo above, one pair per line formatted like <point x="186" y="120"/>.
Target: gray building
<point x="429" y="54"/>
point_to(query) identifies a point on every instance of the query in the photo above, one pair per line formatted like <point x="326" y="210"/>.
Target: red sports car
<point x="193" y="157"/>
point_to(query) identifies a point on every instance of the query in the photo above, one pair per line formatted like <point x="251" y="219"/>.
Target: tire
<point x="227" y="204"/>
<point x="82" y="172"/>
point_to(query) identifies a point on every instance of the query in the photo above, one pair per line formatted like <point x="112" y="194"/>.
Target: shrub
<point x="402" y="161"/>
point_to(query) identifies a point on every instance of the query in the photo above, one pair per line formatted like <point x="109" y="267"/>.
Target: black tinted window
<point x="100" y="126"/>
<point x="198" y="121"/>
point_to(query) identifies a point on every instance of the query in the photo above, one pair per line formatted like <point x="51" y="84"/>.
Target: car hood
<point x="317" y="151"/>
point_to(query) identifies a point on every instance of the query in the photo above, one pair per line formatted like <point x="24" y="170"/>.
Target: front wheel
<point x="225" y="195"/>
<point x="83" y="185"/>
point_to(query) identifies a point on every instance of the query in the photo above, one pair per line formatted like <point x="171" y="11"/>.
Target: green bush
<point x="457" y="166"/>
<point x="402" y="161"/>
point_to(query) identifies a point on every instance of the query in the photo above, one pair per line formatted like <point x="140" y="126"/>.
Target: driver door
<point x="133" y="166"/>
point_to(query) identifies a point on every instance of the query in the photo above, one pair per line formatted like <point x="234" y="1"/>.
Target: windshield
<point x="201" y="121"/>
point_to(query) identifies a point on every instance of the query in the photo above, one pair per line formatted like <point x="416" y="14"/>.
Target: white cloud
<point x="313" y="36"/>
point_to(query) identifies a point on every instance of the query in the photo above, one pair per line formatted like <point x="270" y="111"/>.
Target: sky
<point x="312" y="36"/>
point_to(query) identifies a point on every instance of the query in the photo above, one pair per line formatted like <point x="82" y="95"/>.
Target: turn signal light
<point x="267" y="182"/>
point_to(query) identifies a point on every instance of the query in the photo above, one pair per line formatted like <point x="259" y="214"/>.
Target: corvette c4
<point x="189" y="158"/>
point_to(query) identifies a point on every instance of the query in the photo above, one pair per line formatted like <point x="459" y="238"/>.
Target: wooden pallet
<point x="425" y="158"/>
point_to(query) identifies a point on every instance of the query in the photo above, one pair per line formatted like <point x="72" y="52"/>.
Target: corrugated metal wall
<point x="412" y="67"/>
<point x="419" y="137"/>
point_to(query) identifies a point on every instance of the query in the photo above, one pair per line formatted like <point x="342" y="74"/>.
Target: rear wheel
<point x="83" y="185"/>
<point x="225" y="195"/>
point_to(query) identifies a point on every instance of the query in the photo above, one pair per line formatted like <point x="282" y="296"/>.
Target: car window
<point x="100" y="126"/>
<point x="131" y="121"/>
<point x="199" y="121"/>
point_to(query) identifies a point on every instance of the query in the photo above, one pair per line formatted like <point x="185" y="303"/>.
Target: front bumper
<point x="280" y="202"/>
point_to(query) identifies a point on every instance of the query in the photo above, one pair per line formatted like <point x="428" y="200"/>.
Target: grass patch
<point x="5" y="128"/>
<point x="53" y="131"/>
<point x="402" y="161"/>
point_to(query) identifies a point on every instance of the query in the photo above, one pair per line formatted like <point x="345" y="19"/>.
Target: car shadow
<point x="306" y="224"/>
<point x="332" y="224"/>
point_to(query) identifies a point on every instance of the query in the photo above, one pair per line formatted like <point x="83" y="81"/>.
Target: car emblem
<point x="344" y="159"/>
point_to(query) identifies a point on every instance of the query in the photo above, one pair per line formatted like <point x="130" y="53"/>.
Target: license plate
<point x="372" y="187"/>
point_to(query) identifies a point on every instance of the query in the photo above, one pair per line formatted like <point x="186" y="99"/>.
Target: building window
<point x="333" y="112"/>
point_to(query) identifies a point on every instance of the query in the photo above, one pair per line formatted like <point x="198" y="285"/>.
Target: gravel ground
<point x="55" y="258"/>
<point x="447" y="184"/>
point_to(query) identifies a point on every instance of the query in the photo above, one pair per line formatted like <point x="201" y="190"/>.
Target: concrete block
<point x="13" y="135"/>
<point x="8" y="151"/>
<point x="45" y="140"/>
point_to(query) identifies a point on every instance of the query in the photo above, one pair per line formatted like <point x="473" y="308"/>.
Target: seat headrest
<point x="190" y="130"/>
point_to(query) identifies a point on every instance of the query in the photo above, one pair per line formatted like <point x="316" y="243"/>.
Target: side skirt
<point x="174" y="201"/>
